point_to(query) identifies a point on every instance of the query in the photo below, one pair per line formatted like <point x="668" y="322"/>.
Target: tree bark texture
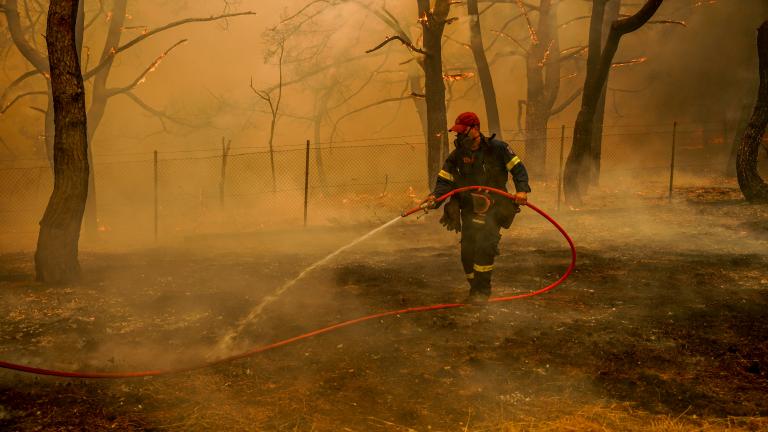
<point x="596" y="153"/>
<point x="433" y="24"/>
<point x="751" y="184"/>
<point x="57" y="245"/>
<point x="543" y="76"/>
<point x="577" y="169"/>
<point x="483" y="70"/>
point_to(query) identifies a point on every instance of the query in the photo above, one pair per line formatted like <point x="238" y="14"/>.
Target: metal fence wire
<point x="349" y="182"/>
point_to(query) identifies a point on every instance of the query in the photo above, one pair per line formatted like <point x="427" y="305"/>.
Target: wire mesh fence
<point x="349" y="182"/>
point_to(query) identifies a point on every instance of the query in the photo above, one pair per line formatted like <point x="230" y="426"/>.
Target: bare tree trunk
<point x="57" y="245"/>
<point x="576" y="175"/>
<point x="483" y="70"/>
<point x="752" y="185"/>
<point x="99" y="98"/>
<point x="611" y="14"/>
<point x="419" y="102"/>
<point x="433" y="24"/>
<point x="543" y="86"/>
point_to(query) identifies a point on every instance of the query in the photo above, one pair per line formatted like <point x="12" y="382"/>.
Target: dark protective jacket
<point x="489" y="165"/>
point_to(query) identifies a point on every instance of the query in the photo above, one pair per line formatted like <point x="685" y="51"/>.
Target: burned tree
<point x="483" y="70"/>
<point x="433" y="22"/>
<point x="596" y="149"/>
<point x="100" y="92"/>
<point x="751" y="184"/>
<point x="577" y="167"/>
<point x="543" y="64"/>
<point x="57" y="246"/>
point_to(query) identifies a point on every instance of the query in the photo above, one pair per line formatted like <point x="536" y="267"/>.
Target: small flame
<point x="458" y="76"/>
<point x="629" y="62"/>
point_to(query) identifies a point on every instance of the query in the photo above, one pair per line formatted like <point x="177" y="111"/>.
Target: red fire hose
<point x="253" y="351"/>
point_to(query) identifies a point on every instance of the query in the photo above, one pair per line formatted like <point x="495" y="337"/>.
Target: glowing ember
<point x="458" y="76"/>
<point x="629" y="62"/>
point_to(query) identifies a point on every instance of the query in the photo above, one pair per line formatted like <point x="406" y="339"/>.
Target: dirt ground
<point x="661" y="327"/>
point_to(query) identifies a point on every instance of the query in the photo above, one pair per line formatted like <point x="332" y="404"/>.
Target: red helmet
<point x="465" y="121"/>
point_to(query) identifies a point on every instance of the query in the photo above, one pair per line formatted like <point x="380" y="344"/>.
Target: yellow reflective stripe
<point x="512" y="162"/>
<point x="445" y="174"/>
<point x="482" y="268"/>
<point x="470" y="275"/>
<point x="478" y="221"/>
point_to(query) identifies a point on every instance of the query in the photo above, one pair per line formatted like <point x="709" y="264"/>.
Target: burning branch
<point x="458" y="76"/>
<point x="405" y="42"/>
<point x="518" y="43"/>
<point x="682" y="23"/>
<point x="531" y="31"/>
<point x="143" y="76"/>
<point x="150" y="33"/>
<point x="629" y="62"/>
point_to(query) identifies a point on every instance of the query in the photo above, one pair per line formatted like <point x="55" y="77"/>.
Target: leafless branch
<point x="531" y="30"/>
<point x="564" y="104"/>
<point x="307" y="6"/>
<point x="629" y="62"/>
<point x="572" y="52"/>
<point x="573" y="20"/>
<point x="95" y="15"/>
<point x="363" y="108"/>
<point x="17" y="81"/>
<point x="161" y="116"/>
<point x="405" y="42"/>
<point x="20" y="96"/>
<point x="518" y="43"/>
<point x="143" y="76"/>
<point x="666" y="21"/>
<point x="502" y="29"/>
<point x="151" y="33"/>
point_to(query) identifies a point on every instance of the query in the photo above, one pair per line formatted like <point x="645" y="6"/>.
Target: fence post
<point x="560" y="168"/>
<point x="672" y="160"/>
<point x="222" y="181"/>
<point x="306" y="183"/>
<point x="156" y="187"/>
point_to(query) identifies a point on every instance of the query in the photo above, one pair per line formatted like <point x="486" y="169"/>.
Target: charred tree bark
<point x="543" y="76"/>
<point x="57" y="245"/>
<point x="611" y="14"/>
<point x="576" y="175"/>
<point x="432" y="24"/>
<point x="483" y="70"/>
<point x="751" y="184"/>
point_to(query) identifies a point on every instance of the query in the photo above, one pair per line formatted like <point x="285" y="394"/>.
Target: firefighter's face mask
<point x="464" y="141"/>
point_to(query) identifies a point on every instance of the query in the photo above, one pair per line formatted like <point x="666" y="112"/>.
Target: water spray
<point x="257" y="310"/>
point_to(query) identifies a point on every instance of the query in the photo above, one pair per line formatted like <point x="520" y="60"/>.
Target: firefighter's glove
<point x="451" y="219"/>
<point x="428" y="203"/>
<point x="505" y="212"/>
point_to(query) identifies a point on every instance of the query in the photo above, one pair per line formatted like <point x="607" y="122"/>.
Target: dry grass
<point x="621" y="417"/>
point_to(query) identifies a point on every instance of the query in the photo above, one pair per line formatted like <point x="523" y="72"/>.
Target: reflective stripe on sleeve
<point x="470" y="275"/>
<point x="483" y="268"/>
<point x="446" y="175"/>
<point x="512" y="162"/>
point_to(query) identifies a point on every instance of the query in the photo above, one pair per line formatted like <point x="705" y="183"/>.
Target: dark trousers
<point x="479" y="247"/>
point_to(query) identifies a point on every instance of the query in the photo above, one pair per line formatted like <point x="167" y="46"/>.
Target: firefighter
<point x="478" y="160"/>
